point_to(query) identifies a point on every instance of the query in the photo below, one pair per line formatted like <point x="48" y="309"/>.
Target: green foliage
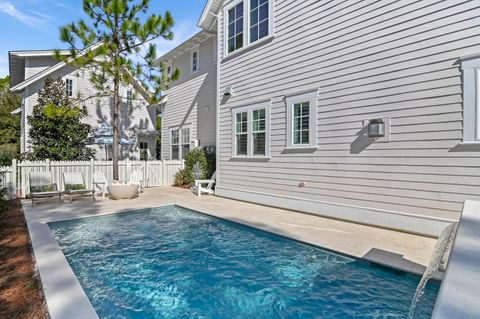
<point x="74" y="187"/>
<point x="192" y="158"/>
<point x="211" y="157"/>
<point x="7" y="153"/>
<point x="56" y="128"/>
<point x="9" y="124"/>
<point x="184" y="177"/>
<point x="118" y="31"/>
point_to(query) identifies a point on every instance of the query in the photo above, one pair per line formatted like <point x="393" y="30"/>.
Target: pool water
<point x="170" y="262"/>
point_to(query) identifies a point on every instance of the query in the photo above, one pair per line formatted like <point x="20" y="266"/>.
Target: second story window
<point x="258" y="19"/>
<point x="69" y="87"/>
<point x="195" y="61"/>
<point x="235" y="28"/>
<point x="129" y="97"/>
<point x="255" y="16"/>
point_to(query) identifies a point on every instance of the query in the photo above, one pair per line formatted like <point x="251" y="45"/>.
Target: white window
<point x="471" y="99"/>
<point x="174" y="142"/>
<point x="180" y="142"/>
<point x="235" y="27"/>
<point x="259" y="20"/>
<point x="256" y="16"/>
<point x="302" y="120"/>
<point x="241" y="133"/>
<point x="195" y="60"/>
<point x="129" y="97"/>
<point x="168" y="69"/>
<point x="251" y="133"/>
<point x="185" y="135"/>
<point x="69" y="87"/>
<point x="143" y="147"/>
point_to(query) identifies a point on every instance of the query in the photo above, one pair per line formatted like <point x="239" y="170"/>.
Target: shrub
<point x="194" y="160"/>
<point x="211" y="157"/>
<point x="184" y="177"/>
<point x="7" y="153"/>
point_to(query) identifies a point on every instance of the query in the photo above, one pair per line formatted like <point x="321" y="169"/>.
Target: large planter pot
<point x="122" y="191"/>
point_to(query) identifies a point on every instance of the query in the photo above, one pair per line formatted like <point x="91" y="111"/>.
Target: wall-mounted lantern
<point x="228" y="91"/>
<point x="376" y="128"/>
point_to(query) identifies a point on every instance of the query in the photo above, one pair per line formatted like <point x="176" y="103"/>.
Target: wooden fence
<point x="156" y="173"/>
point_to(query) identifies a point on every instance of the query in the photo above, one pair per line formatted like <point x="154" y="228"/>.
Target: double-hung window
<point x="246" y="22"/>
<point x="195" y="60"/>
<point x="241" y="133"/>
<point x="129" y="97"/>
<point x="302" y="120"/>
<point x="174" y="142"/>
<point x="180" y="142"/>
<point x="143" y="148"/>
<point x="235" y="27"/>
<point x="185" y="136"/>
<point x="69" y="87"/>
<point x="251" y="131"/>
<point x="471" y="100"/>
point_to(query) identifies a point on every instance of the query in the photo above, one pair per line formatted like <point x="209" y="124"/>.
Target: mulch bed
<point x="21" y="295"/>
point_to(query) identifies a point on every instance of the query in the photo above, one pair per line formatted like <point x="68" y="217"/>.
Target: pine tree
<point x="56" y="128"/>
<point x="116" y="44"/>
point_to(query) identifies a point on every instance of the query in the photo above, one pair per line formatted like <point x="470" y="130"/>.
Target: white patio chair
<point x="100" y="182"/>
<point x="75" y="185"/>
<point x="208" y="189"/>
<point x="41" y="185"/>
<point x="136" y="178"/>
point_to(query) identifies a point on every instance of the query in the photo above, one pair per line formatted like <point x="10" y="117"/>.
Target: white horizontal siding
<point x="100" y="110"/>
<point x="191" y="99"/>
<point x="368" y="59"/>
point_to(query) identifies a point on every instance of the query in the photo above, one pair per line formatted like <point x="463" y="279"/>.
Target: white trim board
<point x="417" y="224"/>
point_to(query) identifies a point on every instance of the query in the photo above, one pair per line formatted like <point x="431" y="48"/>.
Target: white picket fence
<point x="156" y="173"/>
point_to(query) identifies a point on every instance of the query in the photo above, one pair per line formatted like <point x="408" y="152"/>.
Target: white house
<point x="301" y="83"/>
<point x="28" y="70"/>
<point x="189" y="110"/>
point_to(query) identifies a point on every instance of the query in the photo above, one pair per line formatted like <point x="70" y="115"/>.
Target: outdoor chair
<point x="75" y="185"/>
<point x="136" y="178"/>
<point x="41" y="185"/>
<point x="209" y="184"/>
<point x="100" y="182"/>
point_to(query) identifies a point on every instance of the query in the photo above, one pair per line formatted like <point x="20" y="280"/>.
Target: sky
<point x="34" y="24"/>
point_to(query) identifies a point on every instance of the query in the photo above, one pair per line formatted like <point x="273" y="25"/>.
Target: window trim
<point x="246" y="26"/>
<point x="180" y="144"/>
<point x="192" y="52"/>
<point x="290" y="101"/>
<point x="249" y="109"/>
<point x="73" y="86"/>
<point x="471" y="99"/>
<point x="173" y="144"/>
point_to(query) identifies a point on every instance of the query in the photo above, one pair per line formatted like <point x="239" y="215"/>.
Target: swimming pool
<point x="171" y="262"/>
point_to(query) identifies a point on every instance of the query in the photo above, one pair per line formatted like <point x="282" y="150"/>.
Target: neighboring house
<point x="189" y="113"/>
<point x="299" y="82"/>
<point x="28" y="70"/>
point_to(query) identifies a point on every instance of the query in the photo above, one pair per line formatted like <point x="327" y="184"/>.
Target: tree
<point x="56" y="128"/>
<point x="116" y="35"/>
<point x="9" y="124"/>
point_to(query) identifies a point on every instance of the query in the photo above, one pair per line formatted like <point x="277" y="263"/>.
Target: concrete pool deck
<point x="66" y="298"/>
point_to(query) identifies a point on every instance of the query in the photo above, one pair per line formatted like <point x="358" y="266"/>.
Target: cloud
<point x="32" y="19"/>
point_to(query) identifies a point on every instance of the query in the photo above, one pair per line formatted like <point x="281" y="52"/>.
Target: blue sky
<point x="33" y="24"/>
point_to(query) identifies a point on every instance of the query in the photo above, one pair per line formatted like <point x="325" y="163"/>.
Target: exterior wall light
<point x="376" y="128"/>
<point x="228" y="91"/>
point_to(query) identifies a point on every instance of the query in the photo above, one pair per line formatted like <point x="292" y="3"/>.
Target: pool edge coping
<point x="68" y="300"/>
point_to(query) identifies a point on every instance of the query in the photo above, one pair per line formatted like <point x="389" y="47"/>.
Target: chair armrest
<point x="203" y="181"/>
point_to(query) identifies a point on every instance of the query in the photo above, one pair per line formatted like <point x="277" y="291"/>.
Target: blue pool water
<point x="170" y="262"/>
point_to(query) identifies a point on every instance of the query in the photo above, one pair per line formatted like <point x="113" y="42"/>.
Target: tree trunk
<point x="116" y="120"/>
